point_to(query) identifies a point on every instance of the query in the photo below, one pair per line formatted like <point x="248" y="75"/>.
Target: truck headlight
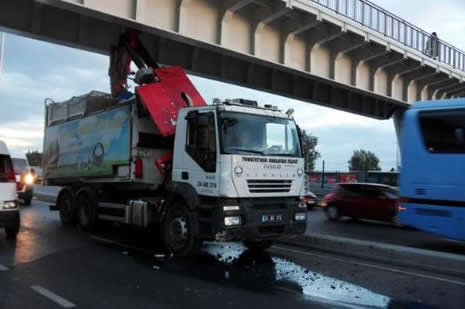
<point x="300" y="216"/>
<point x="10" y="205"/>
<point x="29" y="179"/>
<point x="232" y="220"/>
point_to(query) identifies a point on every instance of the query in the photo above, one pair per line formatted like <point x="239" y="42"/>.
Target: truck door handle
<point x="185" y="176"/>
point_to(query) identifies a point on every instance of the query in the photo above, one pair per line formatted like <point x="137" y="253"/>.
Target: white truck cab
<point x="235" y="151"/>
<point x="9" y="212"/>
<point x="245" y="164"/>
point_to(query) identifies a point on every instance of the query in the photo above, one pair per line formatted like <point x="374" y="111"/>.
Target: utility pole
<point x="323" y="175"/>
<point x="366" y="167"/>
<point x="2" y="48"/>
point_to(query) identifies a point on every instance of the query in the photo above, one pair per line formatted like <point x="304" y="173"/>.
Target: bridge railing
<point x="382" y="21"/>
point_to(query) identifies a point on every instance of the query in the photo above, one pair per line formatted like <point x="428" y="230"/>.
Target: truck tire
<point x="258" y="245"/>
<point x="86" y="209"/>
<point x="27" y="202"/>
<point x="177" y="230"/>
<point x="11" y="232"/>
<point x="65" y="207"/>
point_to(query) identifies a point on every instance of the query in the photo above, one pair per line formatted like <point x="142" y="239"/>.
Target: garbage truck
<point x="162" y="158"/>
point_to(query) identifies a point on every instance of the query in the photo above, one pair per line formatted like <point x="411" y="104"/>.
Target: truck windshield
<point x="258" y="135"/>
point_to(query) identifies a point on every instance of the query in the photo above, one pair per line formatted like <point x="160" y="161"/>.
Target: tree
<point x="363" y="160"/>
<point x="34" y="158"/>
<point x="309" y="143"/>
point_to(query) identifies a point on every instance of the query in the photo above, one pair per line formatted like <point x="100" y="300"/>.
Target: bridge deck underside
<point x="267" y="45"/>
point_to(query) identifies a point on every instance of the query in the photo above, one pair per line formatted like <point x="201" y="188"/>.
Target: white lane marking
<point x="373" y="266"/>
<point x="3" y="268"/>
<point x="52" y="296"/>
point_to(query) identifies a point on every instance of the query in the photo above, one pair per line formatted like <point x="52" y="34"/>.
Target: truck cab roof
<point x="239" y="108"/>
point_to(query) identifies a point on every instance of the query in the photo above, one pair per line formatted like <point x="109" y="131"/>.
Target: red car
<point x="367" y="201"/>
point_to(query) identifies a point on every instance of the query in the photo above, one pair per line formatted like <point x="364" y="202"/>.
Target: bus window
<point x="443" y="131"/>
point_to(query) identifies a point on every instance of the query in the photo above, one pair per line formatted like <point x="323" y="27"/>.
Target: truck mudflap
<point x="258" y="219"/>
<point x="164" y="99"/>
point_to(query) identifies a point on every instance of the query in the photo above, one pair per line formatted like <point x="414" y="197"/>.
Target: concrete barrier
<point x="437" y="262"/>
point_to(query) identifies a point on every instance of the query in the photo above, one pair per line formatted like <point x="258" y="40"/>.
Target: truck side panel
<point x="88" y="147"/>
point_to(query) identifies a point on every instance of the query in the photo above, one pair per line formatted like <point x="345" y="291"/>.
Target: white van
<point x="9" y="211"/>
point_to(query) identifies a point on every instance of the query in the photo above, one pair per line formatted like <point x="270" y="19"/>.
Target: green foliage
<point x="34" y="158"/>
<point x="309" y="143"/>
<point x="363" y="160"/>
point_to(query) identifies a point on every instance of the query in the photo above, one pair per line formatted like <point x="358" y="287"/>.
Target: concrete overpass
<point x="346" y="54"/>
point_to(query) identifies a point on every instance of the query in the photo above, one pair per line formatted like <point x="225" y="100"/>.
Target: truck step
<point x="112" y="218"/>
<point x="111" y="205"/>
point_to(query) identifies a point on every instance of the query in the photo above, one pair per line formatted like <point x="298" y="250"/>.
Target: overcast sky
<point x="34" y="70"/>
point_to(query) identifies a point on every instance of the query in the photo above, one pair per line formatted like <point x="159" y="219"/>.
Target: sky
<point x="35" y="70"/>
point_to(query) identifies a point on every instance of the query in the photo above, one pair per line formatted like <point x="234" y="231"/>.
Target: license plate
<point x="272" y="218"/>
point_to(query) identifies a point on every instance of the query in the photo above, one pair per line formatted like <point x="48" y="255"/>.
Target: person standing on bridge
<point x="432" y="46"/>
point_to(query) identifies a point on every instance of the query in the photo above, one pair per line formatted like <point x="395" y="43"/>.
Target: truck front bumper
<point x="255" y="219"/>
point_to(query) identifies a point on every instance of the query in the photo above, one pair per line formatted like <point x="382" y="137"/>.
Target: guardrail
<point x="382" y="21"/>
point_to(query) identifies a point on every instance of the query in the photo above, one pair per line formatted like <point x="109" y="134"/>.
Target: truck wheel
<point x="258" y="245"/>
<point x="65" y="207"/>
<point x="86" y="209"/>
<point x="11" y="232"/>
<point x="177" y="231"/>
<point x="27" y="202"/>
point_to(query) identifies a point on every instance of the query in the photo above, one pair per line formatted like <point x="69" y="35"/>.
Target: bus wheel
<point x="65" y="207"/>
<point x="177" y="230"/>
<point x="86" y="206"/>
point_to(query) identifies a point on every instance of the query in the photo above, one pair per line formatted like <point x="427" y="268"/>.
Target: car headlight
<point x="300" y="172"/>
<point x="29" y="179"/>
<point x="10" y="205"/>
<point x="300" y="216"/>
<point x="302" y="204"/>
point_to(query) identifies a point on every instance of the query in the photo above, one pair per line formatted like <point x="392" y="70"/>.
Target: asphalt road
<point x="50" y="266"/>
<point x="380" y="232"/>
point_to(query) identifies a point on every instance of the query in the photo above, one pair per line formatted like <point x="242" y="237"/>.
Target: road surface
<point x="50" y="266"/>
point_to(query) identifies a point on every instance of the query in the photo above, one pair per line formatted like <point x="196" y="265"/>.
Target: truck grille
<point x="269" y="186"/>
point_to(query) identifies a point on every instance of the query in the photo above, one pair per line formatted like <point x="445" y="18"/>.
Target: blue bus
<point x="432" y="176"/>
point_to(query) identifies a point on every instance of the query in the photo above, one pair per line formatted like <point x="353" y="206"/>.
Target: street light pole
<point x="366" y="166"/>
<point x="2" y="48"/>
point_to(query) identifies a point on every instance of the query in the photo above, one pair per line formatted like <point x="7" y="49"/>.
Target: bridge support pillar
<point x="398" y="118"/>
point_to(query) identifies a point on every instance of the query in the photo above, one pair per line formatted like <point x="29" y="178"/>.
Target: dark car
<point x="24" y="179"/>
<point x="367" y="201"/>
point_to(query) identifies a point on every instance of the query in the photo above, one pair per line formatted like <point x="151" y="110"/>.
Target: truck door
<point x="201" y="151"/>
